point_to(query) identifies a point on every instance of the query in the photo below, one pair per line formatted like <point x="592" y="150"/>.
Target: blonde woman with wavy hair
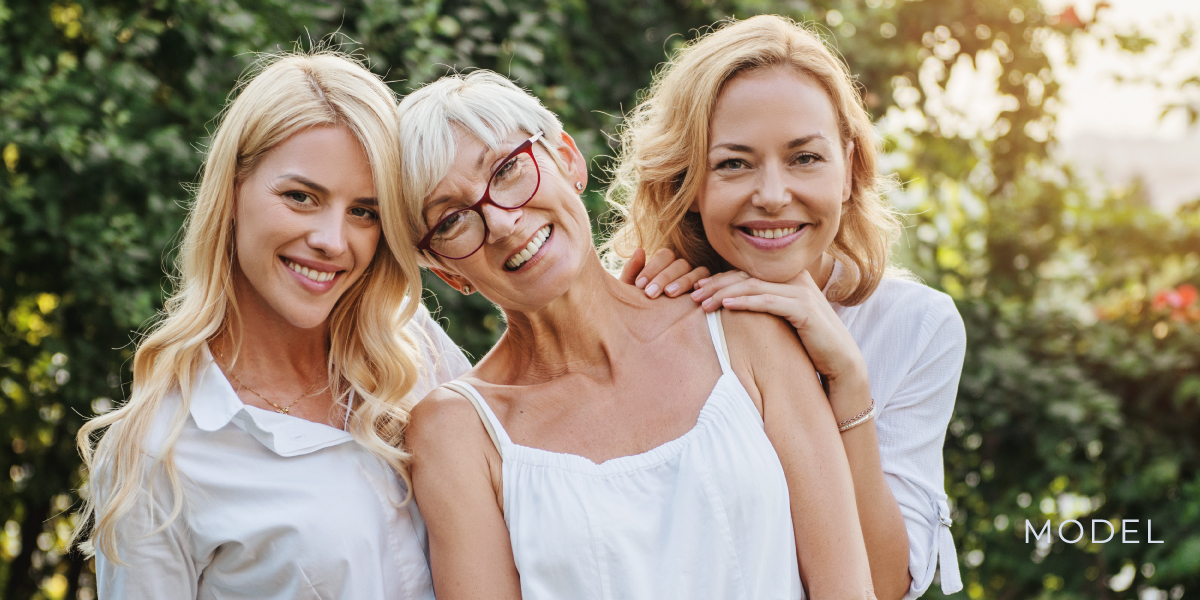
<point x="259" y="453"/>
<point x="752" y="153"/>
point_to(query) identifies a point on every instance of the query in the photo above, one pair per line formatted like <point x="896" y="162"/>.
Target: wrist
<point x="849" y="394"/>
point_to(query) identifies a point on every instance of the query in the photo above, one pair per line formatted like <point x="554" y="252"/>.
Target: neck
<point x="270" y="349"/>
<point x="581" y="331"/>
<point x="821" y="270"/>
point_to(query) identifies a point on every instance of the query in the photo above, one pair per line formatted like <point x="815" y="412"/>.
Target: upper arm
<point x="455" y="473"/>
<point x="801" y="426"/>
<point x="769" y="358"/>
<point x="912" y="433"/>
<point x="158" y="562"/>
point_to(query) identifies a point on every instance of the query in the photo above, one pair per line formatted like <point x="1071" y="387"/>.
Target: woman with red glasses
<point x="609" y="445"/>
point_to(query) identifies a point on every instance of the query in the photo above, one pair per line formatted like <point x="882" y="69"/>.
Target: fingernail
<point x="641" y="282"/>
<point x="671" y="289"/>
<point x="703" y="282"/>
<point x="706" y="303"/>
<point x="652" y="290"/>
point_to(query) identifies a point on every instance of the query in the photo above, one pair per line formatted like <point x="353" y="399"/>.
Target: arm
<point x="774" y="368"/>
<point x="835" y="355"/>
<point x="912" y="432"/>
<point x="456" y="481"/>
<point x="153" y="564"/>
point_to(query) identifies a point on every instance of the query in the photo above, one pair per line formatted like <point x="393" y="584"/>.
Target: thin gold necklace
<point x="279" y="409"/>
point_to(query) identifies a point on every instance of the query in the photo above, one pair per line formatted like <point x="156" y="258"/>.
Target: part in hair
<point x="664" y="149"/>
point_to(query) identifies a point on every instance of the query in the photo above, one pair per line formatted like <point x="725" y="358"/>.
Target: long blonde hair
<point x="664" y="147"/>
<point x="370" y="352"/>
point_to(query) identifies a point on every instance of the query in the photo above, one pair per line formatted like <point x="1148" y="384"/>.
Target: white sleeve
<point x="158" y="565"/>
<point x="912" y="432"/>
<point x="442" y="359"/>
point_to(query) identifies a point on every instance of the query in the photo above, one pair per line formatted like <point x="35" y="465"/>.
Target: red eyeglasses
<point x="511" y="186"/>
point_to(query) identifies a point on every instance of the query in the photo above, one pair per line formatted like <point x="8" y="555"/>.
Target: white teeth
<point x="313" y="274"/>
<point x="771" y="234"/>
<point x="530" y="249"/>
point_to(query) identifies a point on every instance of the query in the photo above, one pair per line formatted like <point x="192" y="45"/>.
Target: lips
<point x="765" y="235"/>
<point x="771" y="234"/>
<point x="313" y="274"/>
<point x="520" y="258"/>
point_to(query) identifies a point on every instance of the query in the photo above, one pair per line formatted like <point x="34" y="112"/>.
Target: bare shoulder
<point x="760" y="336"/>
<point x="444" y="420"/>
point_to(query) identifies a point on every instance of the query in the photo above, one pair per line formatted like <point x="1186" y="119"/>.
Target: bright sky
<point x="1093" y="103"/>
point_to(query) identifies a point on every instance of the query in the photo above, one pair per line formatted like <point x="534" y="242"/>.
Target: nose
<point x="328" y="233"/>
<point x="501" y="223"/>
<point x="772" y="193"/>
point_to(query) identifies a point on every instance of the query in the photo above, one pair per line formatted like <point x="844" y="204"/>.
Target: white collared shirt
<point x="914" y="342"/>
<point x="276" y="507"/>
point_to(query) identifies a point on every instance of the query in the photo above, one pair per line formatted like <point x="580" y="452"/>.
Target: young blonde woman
<point x="258" y="456"/>
<point x="609" y="445"/>
<point x="753" y="151"/>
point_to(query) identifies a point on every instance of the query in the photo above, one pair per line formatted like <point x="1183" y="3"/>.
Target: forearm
<point x="882" y="523"/>
<point x="833" y="560"/>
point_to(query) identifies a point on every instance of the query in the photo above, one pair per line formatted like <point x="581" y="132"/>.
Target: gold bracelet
<point x="858" y="419"/>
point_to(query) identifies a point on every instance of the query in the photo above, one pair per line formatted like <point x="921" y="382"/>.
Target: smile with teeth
<point x="771" y="234"/>
<point x="313" y="274"/>
<point x="529" y="250"/>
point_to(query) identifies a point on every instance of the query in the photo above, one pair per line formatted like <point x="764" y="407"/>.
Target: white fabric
<point x="706" y="515"/>
<point x="913" y="340"/>
<point x="276" y="507"/>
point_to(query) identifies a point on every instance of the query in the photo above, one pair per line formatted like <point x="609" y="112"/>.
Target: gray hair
<point x="483" y="103"/>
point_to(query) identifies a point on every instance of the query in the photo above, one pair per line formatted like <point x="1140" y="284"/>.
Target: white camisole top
<point x="704" y="516"/>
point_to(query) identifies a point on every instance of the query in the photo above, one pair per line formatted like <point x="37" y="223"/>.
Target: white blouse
<point x="914" y="342"/>
<point x="276" y="507"/>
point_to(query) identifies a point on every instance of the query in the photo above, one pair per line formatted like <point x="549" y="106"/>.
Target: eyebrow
<point x="796" y="143"/>
<point x="320" y="189"/>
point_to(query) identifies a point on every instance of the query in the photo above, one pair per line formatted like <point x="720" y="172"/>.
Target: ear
<point x="455" y="281"/>
<point x="573" y="158"/>
<point x="849" y="171"/>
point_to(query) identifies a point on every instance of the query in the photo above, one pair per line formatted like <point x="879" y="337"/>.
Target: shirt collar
<point x="215" y="404"/>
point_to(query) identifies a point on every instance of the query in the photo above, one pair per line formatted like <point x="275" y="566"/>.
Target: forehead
<point x="329" y="155"/>
<point x="471" y="166"/>
<point x="773" y="102"/>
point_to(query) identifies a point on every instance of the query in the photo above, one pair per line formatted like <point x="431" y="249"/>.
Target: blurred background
<point x="1051" y="173"/>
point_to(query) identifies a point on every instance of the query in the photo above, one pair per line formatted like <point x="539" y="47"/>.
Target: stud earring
<point x="579" y="185"/>
<point x="466" y="289"/>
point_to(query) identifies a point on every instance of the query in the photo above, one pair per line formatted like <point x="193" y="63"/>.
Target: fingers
<point x="632" y="266"/>
<point x="674" y="271"/>
<point x="653" y="267"/>
<point x="782" y="295"/>
<point x="687" y="282"/>
<point x="705" y="288"/>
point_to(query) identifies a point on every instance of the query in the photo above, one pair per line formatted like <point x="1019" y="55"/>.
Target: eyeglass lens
<point x="511" y="186"/>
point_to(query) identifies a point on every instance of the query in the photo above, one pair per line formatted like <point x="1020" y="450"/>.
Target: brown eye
<point x="297" y="197"/>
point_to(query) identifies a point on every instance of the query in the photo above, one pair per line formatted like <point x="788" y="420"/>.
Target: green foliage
<point x="1080" y="394"/>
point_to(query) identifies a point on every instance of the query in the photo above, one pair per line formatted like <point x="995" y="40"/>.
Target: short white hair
<point x="483" y="103"/>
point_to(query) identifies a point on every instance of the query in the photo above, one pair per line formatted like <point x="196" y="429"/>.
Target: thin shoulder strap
<point x="718" y="337"/>
<point x="494" y="429"/>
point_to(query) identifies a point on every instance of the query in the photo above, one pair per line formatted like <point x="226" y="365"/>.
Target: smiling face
<point x="777" y="174"/>
<point x="531" y="254"/>
<point x="306" y="226"/>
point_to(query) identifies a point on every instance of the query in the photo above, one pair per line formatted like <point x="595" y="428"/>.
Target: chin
<point x="306" y="317"/>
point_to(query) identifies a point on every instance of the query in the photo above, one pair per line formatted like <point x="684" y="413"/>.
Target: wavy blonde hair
<point x="371" y="354"/>
<point x="664" y="148"/>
